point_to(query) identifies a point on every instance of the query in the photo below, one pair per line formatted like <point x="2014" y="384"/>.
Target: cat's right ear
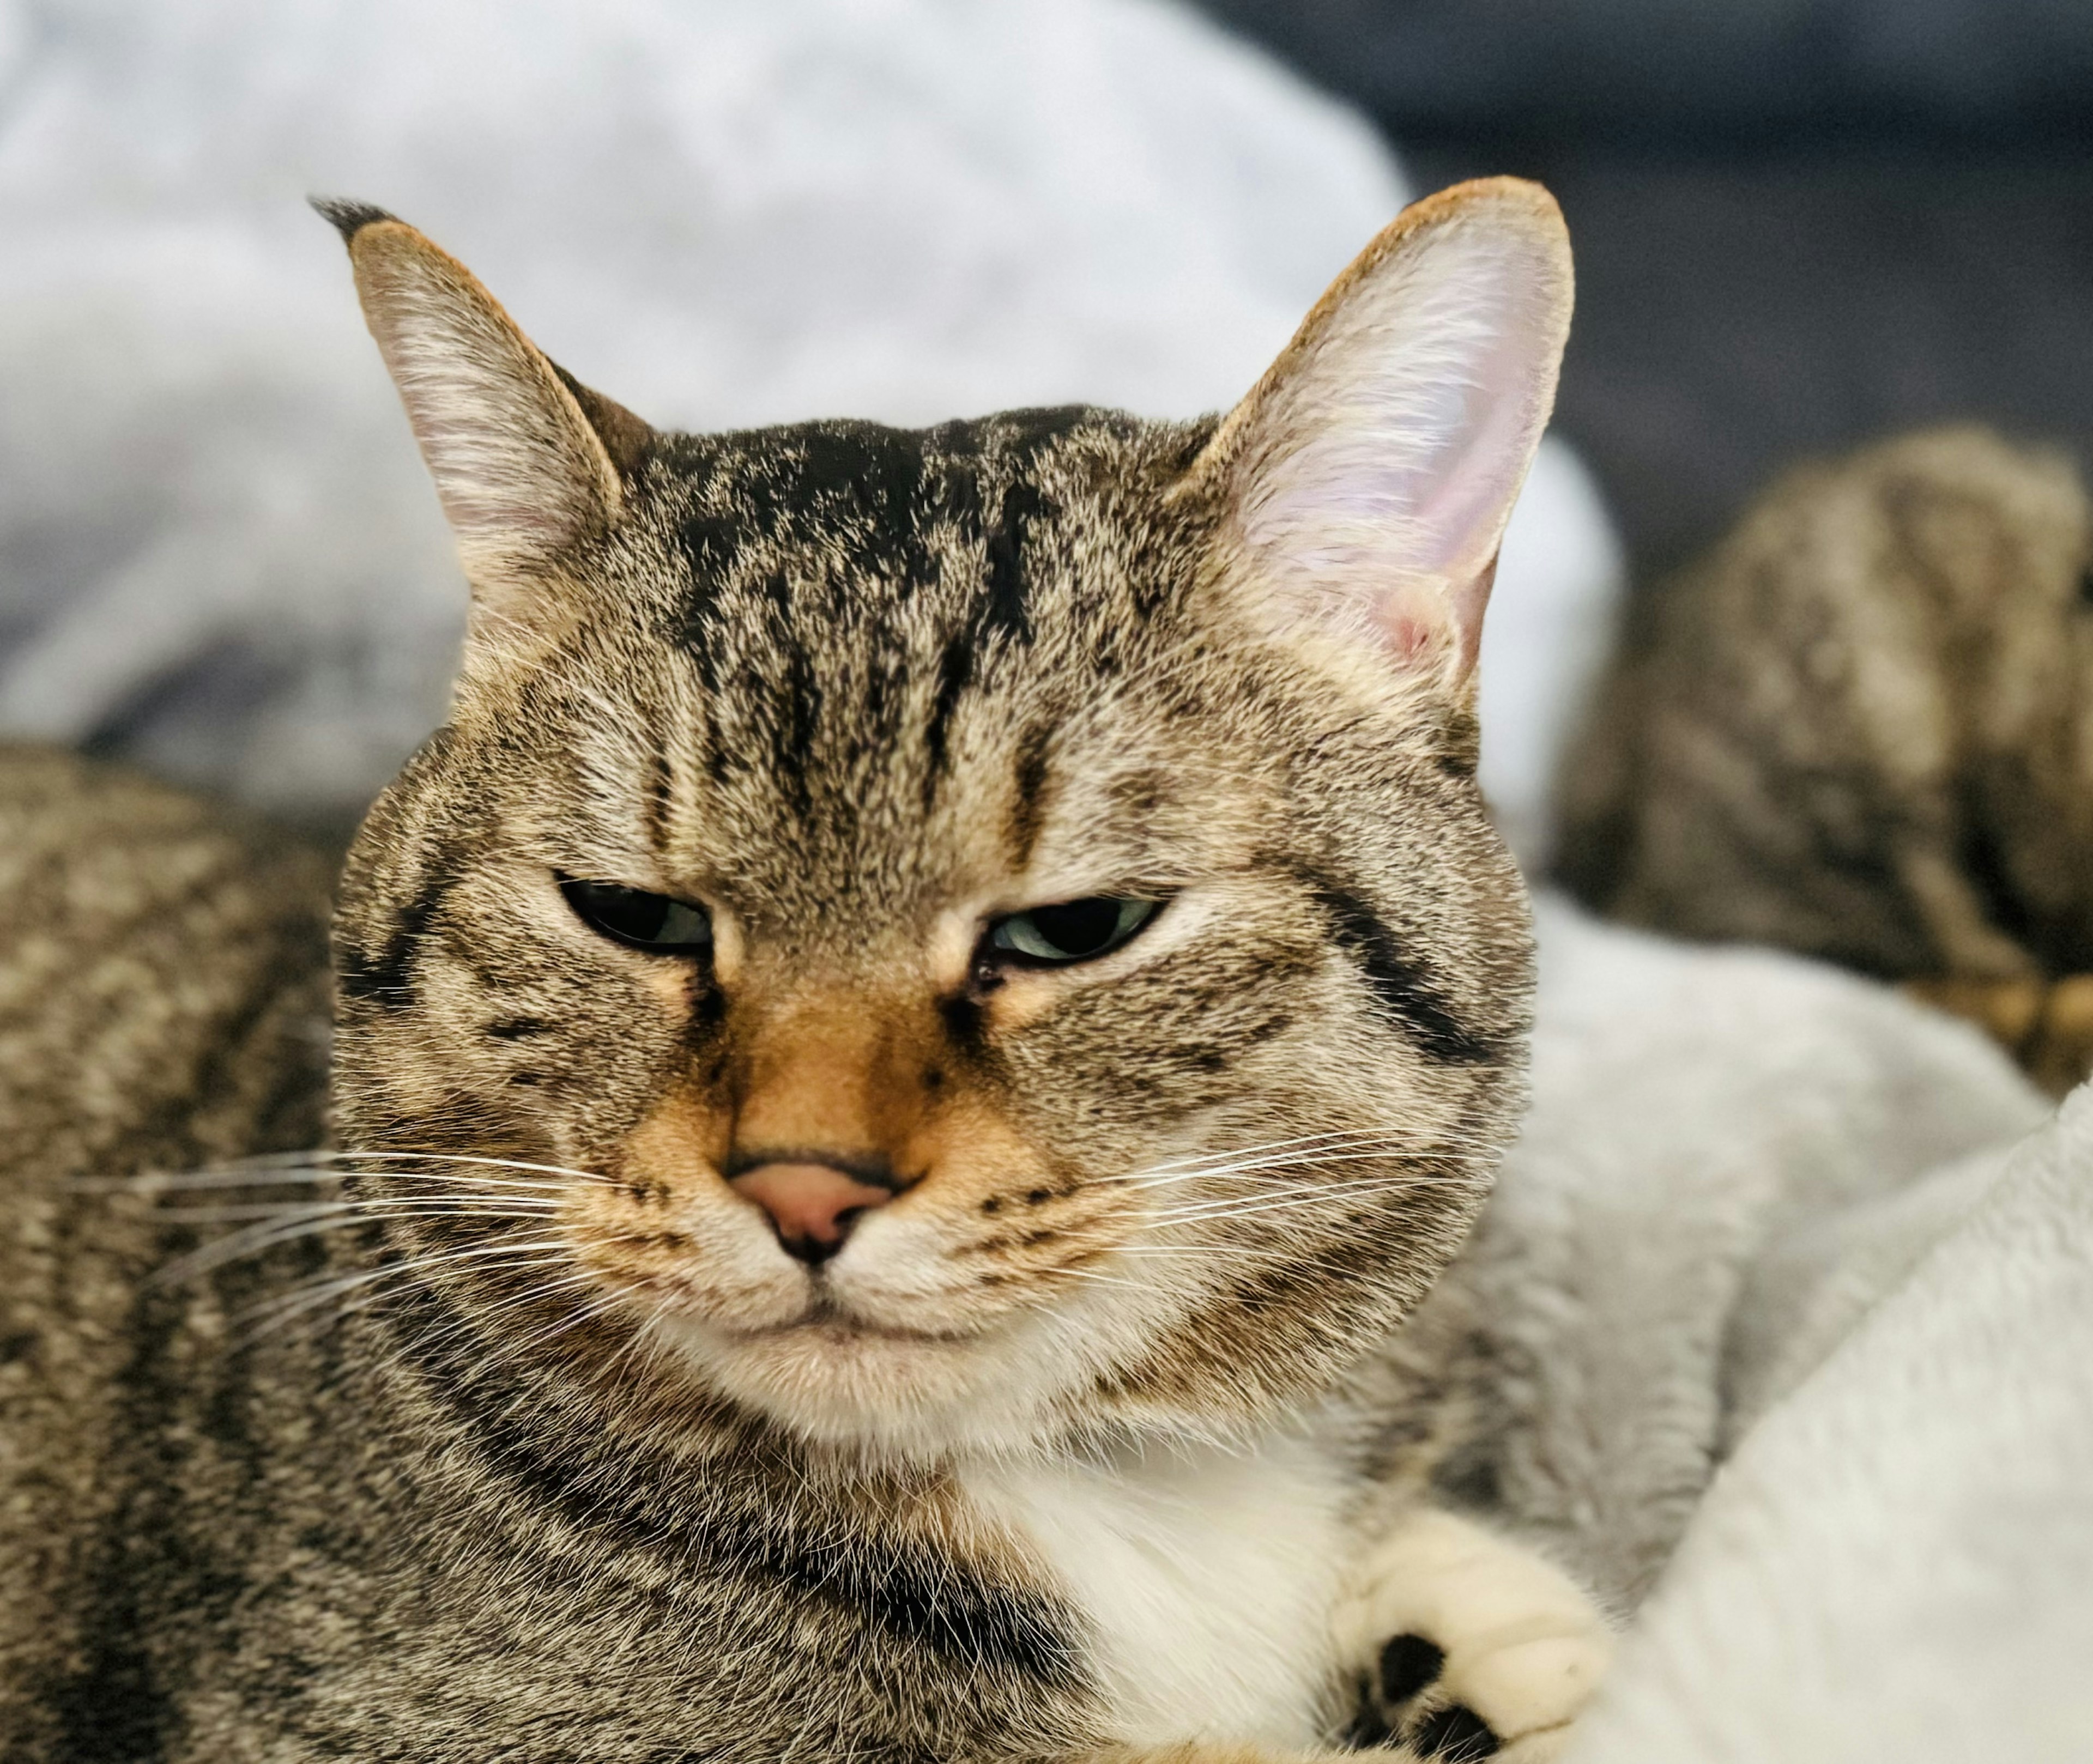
<point x="528" y="462"/>
<point x="1363" y="486"/>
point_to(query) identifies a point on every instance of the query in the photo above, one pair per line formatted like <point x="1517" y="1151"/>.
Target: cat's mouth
<point x="920" y="1333"/>
<point x="839" y="1378"/>
<point x="845" y="1305"/>
<point x="825" y="1319"/>
<point x="931" y="1324"/>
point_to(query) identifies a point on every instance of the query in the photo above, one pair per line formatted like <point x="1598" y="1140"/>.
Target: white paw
<point x="1469" y="1646"/>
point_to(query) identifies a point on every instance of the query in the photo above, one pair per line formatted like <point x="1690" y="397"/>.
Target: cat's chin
<point x="883" y="1393"/>
<point x="887" y="1353"/>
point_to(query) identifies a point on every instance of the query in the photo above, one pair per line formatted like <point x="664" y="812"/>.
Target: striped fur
<point x="547" y="1450"/>
<point x="1862" y="728"/>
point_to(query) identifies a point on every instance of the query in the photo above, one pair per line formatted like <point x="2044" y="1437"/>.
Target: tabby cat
<point x="903" y="1067"/>
<point x="1862" y="728"/>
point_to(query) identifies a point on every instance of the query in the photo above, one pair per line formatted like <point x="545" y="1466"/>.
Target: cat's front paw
<point x="1469" y="1646"/>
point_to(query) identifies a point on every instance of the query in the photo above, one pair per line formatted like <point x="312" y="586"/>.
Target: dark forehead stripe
<point x="1028" y="772"/>
<point x="1402" y="983"/>
<point x="880" y="491"/>
<point x="999" y="617"/>
<point x="850" y="521"/>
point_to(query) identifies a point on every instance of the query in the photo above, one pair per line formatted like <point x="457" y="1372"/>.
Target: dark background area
<point x="1799" y="224"/>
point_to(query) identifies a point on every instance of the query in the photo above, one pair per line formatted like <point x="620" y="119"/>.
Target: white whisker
<point x="1091" y="1274"/>
<point x="1254" y="1252"/>
<point x="296" y="1300"/>
<point x="1300" y="1197"/>
<point x="587" y="1313"/>
<point x="467" y="1322"/>
<point x="465" y="1205"/>
<point x="179" y="1182"/>
<point x="1320" y="1160"/>
<point x="307" y="1222"/>
<point x="459" y="1157"/>
<point x="1332" y="1149"/>
<point x="1276" y="1150"/>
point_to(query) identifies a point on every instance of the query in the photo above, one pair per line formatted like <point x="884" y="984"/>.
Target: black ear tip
<point x="349" y="217"/>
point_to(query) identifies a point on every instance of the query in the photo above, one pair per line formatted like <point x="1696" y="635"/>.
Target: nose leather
<point x="812" y="1206"/>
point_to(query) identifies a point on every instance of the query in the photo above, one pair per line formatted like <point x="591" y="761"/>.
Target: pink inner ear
<point x="1462" y="501"/>
<point x="1415" y="621"/>
<point x="1471" y="599"/>
<point x="1407" y="634"/>
<point x="1400" y="437"/>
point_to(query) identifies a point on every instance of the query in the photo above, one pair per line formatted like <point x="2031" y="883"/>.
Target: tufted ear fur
<point x="1368" y="476"/>
<point x="528" y="461"/>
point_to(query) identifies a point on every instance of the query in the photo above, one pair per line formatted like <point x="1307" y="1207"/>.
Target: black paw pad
<point x="1407" y="1665"/>
<point x="1402" y="1704"/>
<point x="1456" y="1735"/>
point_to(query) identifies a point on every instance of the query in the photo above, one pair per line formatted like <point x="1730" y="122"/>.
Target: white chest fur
<point x="1208" y="1576"/>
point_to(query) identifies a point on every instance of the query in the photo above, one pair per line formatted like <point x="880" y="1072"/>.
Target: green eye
<point x="632" y="916"/>
<point x="1072" y="931"/>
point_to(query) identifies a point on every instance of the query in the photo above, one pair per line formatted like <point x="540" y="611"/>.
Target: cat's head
<point x="998" y="920"/>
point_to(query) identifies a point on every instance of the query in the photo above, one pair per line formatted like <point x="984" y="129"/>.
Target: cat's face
<point x="998" y="922"/>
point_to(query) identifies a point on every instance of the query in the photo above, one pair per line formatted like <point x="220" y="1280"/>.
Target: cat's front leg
<point x="1468" y="1646"/>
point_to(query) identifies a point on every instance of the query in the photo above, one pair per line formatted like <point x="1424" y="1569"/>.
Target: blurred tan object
<point x="1862" y="728"/>
<point x="2047" y="1025"/>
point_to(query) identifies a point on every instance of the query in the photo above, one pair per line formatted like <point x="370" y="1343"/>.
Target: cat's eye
<point x="632" y="915"/>
<point x="1070" y="931"/>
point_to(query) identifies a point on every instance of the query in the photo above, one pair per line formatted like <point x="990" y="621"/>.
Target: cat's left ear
<point x="528" y="462"/>
<point x="1365" y="483"/>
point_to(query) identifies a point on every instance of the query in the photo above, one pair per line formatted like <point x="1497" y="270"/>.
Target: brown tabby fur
<point x="561" y="1460"/>
<point x="1863" y="729"/>
<point x="163" y="1004"/>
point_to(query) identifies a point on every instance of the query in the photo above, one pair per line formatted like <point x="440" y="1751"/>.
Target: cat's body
<point x="1862" y="728"/>
<point x="907" y="1062"/>
<point x="162" y="1005"/>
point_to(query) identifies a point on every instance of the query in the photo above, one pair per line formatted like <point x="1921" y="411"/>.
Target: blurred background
<point x="1798" y="223"/>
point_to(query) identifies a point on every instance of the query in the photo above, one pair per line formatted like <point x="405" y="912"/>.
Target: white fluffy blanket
<point x="1774" y="1226"/>
<point x="218" y="552"/>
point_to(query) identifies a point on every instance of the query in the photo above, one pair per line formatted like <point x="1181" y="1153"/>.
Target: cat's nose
<point x="812" y="1206"/>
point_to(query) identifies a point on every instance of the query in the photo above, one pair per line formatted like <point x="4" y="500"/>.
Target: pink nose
<point x="812" y="1206"/>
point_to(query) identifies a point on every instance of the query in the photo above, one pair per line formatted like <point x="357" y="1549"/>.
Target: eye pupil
<point x="628" y="912"/>
<point x="644" y="920"/>
<point x="1068" y="931"/>
<point x="1079" y="927"/>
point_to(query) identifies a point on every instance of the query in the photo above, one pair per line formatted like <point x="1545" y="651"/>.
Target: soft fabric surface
<point x="1898" y="1564"/>
<point x="217" y="550"/>
<point x="1772" y="1218"/>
